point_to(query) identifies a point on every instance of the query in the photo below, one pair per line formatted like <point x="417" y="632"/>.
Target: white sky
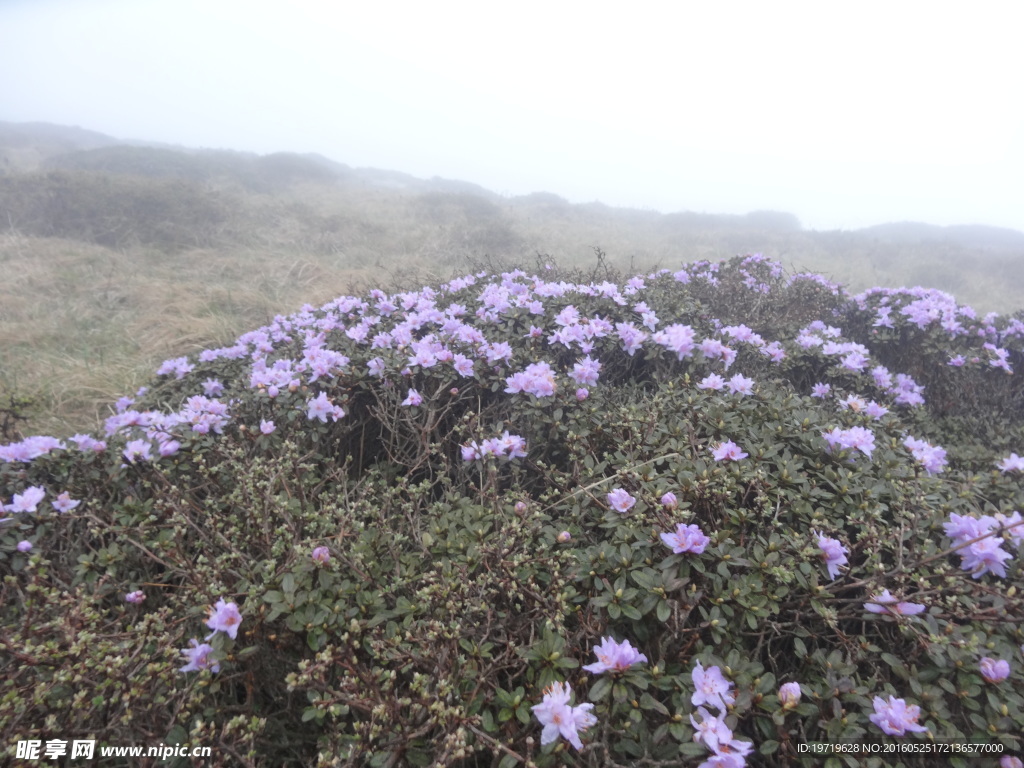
<point x="845" y="114"/>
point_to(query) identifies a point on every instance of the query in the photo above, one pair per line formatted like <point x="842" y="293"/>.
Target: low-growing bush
<point x="703" y="517"/>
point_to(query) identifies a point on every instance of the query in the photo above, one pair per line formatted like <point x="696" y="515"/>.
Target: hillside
<point x="155" y="251"/>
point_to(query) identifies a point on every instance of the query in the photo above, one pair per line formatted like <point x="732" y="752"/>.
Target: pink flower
<point x="894" y="717"/>
<point x="321" y="555"/>
<point x="413" y="398"/>
<point x="199" y="657"/>
<point x="710" y="731"/>
<point x="994" y="670"/>
<point x="224" y="617"/>
<point x="833" y="552"/>
<point x="614" y="657"/>
<point x="740" y="385"/>
<point x="728" y="451"/>
<point x="560" y="719"/>
<point x="686" y="538"/>
<point x="789" y="695"/>
<point x="886" y="603"/>
<point x="711" y="687"/>
<point x="620" y="500"/>
<point x="64" y="502"/>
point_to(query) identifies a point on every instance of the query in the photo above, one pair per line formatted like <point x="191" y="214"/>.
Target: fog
<point x="846" y="116"/>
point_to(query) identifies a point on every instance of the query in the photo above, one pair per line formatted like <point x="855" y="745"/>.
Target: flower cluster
<point x="614" y="657"/>
<point x="854" y="439"/>
<point x="554" y="711"/>
<point x="713" y="690"/>
<point x="223" y="617"/>
<point x="686" y="538"/>
<point x="979" y="541"/>
<point x="931" y="457"/>
<point x="559" y="718"/>
<point x="505" y="447"/>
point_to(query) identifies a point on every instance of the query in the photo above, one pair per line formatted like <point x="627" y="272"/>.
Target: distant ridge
<point x="38" y="146"/>
<point x="970" y="235"/>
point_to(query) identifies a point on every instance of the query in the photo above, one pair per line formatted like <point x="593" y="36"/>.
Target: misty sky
<point x="843" y="114"/>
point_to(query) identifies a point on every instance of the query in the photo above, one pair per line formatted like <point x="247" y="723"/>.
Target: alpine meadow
<point x="324" y="466"/>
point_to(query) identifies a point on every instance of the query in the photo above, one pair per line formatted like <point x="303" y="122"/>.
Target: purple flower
<point x="669" y="500"/>
<point x="711" y="687"/>
<point x="27" y="500"/>
<point x="686" y="538"/>
<point x="199" y="657"/>
<point x="740" y="385"/>
<point x="564" y="537"/>
<point x="138" y="450"/>
<point x="24" y="545"/>
<point x="620" y="500"/>
<point x="1009" y="761"/>
<point x="854" y="438"/>
<point x="582" y="394"/>
<point x="820" y="390"/>
<point x="614" y="657"/>
<point x="1012" y="463"/>
<point x="319" y="408"/>
<point x="321" y="555"/>
<point x="886" y="603"/>
<point x="267" y="427"/>
<point x="894" y="717"/>
<point x="985" y="556"/>
<point x="994" y="670"/>
<point x="64" y="502"/>
<point x="212" y="387"/>
<point x="834" y="553"/>
<point x="135" y="597"/>
<point x="413" y="398"/>
<point x="931" y="457"/>
<point x="224" y="617"/>
<point x="711" y="381"/>
<point x="560" y="719"/>
<point x="728" y="451"/>
<point x="789" y="695"/>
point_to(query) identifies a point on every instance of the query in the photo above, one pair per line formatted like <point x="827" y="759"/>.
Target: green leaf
<point x="600" y="690"/>
<point x="663" y="611"/>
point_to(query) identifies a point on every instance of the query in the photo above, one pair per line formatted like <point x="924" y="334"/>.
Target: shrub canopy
<point x="546" y="519"/>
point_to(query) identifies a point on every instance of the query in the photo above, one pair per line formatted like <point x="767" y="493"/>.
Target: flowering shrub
<point x="778" y="515"/>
